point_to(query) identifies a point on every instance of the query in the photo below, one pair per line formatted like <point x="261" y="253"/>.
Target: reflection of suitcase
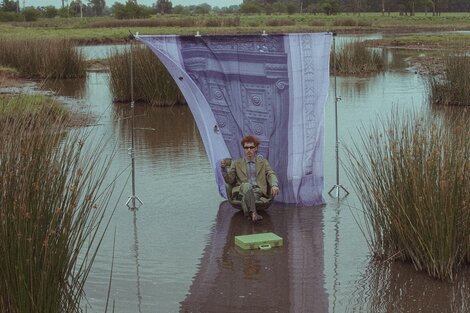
<point x="263" y="241"/>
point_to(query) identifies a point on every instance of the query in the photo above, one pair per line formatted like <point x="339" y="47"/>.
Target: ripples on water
<point x="176" y="253"/>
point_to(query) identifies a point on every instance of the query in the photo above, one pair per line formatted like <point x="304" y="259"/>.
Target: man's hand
<point x="274" y="190"/>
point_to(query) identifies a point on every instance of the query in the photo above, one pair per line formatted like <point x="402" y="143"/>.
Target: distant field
<point x="455" y="41"/>
<point x="109" y="30"/>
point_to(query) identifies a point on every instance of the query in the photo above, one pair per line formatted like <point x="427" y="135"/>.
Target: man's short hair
<point x="250" y="138"/>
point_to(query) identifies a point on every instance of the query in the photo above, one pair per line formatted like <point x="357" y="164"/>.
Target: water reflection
<point x="101" y="51"/>
<point x="397" y="287"/>
<point x="284" y="279"/>
<point x="73" y="88"/>
<point x="382" y="90"/>
<point x="397" y="81"/>
<point x="341" y="40"/>
<point x="336" y="283"/>
<point x="160" y="131"/>
<point x="137" y="264"/>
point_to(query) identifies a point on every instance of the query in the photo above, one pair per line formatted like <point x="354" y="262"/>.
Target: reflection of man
<point x="252" y="174"/>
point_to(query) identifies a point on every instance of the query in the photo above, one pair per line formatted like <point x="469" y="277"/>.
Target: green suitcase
<point x="263" y="241"/>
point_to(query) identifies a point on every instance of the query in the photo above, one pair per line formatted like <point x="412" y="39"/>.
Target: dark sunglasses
<point x="249" y="147"/>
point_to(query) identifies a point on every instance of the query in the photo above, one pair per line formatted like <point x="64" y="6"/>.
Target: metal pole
<point x="133" y="125"/>
<point x="337" y="186"/>
<point x="336" y="113"/>
<point x="131" y="202"/>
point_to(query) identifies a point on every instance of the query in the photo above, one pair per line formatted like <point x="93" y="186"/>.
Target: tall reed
<point x="43" y="58"/>
<point x="355" y="58"/>
<point x="52" y="202"/>
<point x="412" y="175"/>
<point x="453" y="87"/>
<point x="152" y="82"/>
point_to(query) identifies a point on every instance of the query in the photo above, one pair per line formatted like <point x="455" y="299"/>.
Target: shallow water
<point x="100" y="52"/>
<point x="176" y="253"/>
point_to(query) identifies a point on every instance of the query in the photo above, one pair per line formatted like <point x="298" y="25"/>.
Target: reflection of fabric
<point x="274" y="87"/>
<point x="290" y="278"/>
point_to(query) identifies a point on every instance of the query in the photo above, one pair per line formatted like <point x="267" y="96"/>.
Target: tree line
<point x="11" y="11"/>
<point x="405" y="7"/>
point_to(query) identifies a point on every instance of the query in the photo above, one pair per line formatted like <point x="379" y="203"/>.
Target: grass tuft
<point x="355" y="58"/>
<point x="152" y="82"/>
<point x="42" y="58"/>
<point x="412" y="174"/>
<point x="452" y="88"/>
<point x="24" y="106"/>
<point x="51" y="206"/>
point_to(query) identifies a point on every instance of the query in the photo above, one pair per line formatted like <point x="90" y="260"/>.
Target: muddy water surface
<point x="177" y="252"/>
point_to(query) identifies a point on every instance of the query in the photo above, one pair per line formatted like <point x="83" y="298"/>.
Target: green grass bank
<point x="108" y="30"/>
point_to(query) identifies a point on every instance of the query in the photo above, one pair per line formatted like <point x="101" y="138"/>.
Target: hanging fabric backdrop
<point x="273" y="86"/>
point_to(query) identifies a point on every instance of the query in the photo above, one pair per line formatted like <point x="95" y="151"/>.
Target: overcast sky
<point x="58" y="3"/>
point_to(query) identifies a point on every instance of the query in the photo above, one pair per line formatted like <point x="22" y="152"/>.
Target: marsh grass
<point x="152" y="82"/>
<point x="21" y="106"/>
<point x="222" y="22"/>
<point x="171" y="21"/>
<point x="349" y="22"/>
<point x="344" y="22"/>
<point x="8" y="70"/>
<point x="453" y="87"/>
<point x="412" y="175"/>
<point x="85" y="30"/>
<point x="280" y="22"/>
<point x="458" y="41"/>
<point x="43" y="58"/>
<point x="52" y="203"/>
<point x="355" y="58"/>
<point x="316" y="23"/>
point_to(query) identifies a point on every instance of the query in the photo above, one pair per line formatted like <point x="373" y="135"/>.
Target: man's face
<point x="250" y="150"/>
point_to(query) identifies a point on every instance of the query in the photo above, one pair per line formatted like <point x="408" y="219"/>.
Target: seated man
<point x="252" y="173"/>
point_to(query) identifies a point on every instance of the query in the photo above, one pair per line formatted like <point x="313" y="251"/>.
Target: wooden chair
<point x="235" y="199"/>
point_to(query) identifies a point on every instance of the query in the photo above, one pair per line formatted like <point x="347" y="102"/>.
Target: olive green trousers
<point x="249" y="195"/>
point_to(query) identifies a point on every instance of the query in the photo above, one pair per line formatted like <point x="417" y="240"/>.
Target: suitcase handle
<point x="265" y="246"/>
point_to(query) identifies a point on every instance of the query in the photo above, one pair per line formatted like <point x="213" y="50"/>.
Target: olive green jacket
<point x="237" y="174"/>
